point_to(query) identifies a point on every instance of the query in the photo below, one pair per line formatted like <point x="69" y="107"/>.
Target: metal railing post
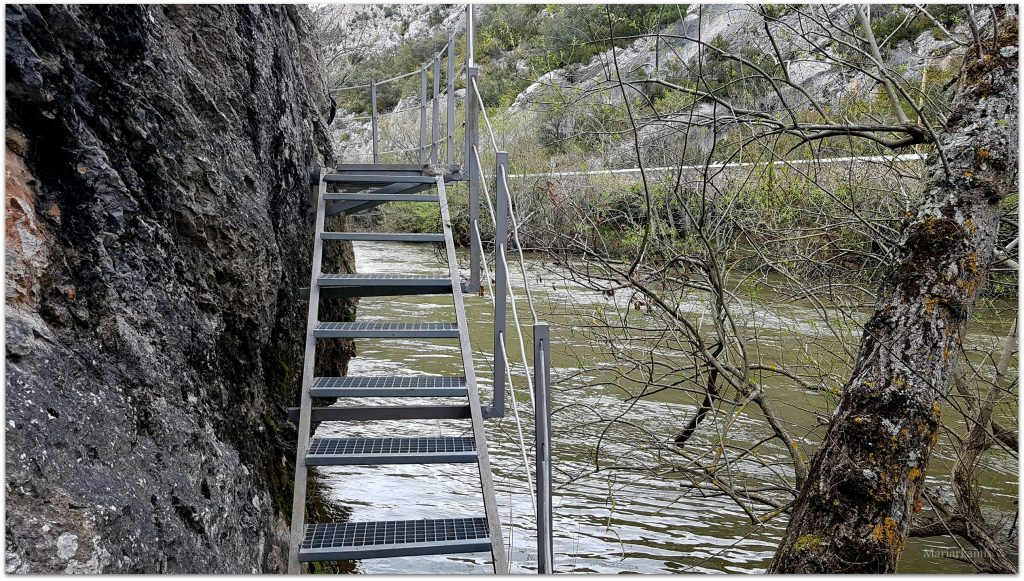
<point x="423" y="115"/>
<point x="542" y="419"/>
<point x="472" y="157"/>
<point x="435" y="132"/>
<point x="473" y="164"/>
<point x="469" y="35"/>
<point x="373" y="119"/>
<point x="450" y="133"/>
<point x="500" y="280"/>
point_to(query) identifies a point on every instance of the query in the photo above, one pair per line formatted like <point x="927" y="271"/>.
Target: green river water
<point x="614" y="521"/>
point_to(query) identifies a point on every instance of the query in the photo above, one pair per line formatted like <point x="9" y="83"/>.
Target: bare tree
<point x="851" y="507"/>
<point x="875" y="454"/>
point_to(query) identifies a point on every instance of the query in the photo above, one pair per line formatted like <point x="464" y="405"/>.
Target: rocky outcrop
<point x="157" y="239"/>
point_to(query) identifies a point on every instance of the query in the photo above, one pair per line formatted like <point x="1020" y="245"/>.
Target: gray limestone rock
<point x="157" y="240"/>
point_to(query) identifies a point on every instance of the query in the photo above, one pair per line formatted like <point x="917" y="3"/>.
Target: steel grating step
<point x="369" y="285"/>
<point x="389" y="386"/>
<point x="375" y="451"/>
<point x="385" y="412"/>
<point x="403" y="538"/>
<point x="386" y="330"/>
<point x="375" y="168"/>
<point x="378" y="179"/>
<point x="381" y="237"/>
<point x="371" y="197"/>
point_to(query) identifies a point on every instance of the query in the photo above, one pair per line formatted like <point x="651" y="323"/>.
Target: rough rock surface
<point x="157" y="190"/>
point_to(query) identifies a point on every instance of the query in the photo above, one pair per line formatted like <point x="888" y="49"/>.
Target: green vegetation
<point x="411" y="217"/>
<point x="557" y="36"/>
<point x="728" y="77"/>
<point x="889" y="21"/>
<point x="515" y="44"/>
<point x="407" y="57"/>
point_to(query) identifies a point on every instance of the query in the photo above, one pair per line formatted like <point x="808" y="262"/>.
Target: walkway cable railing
<point x="428" y="151"/>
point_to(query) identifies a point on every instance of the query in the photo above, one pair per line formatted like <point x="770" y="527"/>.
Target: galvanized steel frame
<point x="498" y="557"/>
<point x="405" y="186"/>
<point x="308" y="375"/>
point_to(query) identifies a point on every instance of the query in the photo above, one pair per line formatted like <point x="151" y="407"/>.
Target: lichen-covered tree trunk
<point x="853" y="514"/>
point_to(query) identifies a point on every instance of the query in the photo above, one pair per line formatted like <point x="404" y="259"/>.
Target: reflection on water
<point x="612" y="521"/>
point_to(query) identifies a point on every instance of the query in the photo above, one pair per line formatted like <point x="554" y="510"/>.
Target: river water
<point x="609" y="521"/>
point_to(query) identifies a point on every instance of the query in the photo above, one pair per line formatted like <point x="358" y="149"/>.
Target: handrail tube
<point x="423" y="115"/>
<point x="373" y="120"/>
<point x="472" y="139"/>
<point x="542" y="421"/>
<point x="436" y="112"/>
<point x="500" y="281"/>
<point x="450" y="153"/>
<point x="474" y="176"/>
<point x="469" y="35"/>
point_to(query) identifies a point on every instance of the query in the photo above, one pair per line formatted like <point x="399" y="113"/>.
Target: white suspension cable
<point x="511" y="387"/>
<point x="487" y="121"/>
<point x="519" y="248"/>
<point x="515" y="406"/>
<point x="511" y="207"/>
<point x="511" y="292"/>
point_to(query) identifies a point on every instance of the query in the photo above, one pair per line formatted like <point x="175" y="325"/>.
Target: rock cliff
<point x="157" y="238"/>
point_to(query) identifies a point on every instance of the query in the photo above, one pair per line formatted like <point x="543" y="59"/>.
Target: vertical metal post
<point x="423" y="115"/>
<point x="450" y="133"/>
<point x="542" y="419"/>
<point x="435" y="132"/>
<point x="500" y="281"/>
<point x="469" y="35"/>
<point x="373" y="119"/>
<point x="472" y="156"/>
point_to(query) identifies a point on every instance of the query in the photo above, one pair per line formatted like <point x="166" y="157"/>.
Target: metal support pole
<point x="469" y="35"/>
<point x="472" y="156"/>
<point x="450" y="133"/>
<point x="423" y="115"/>
<point x="435" y="132"/>
<point x="472" y="174"/>
<point x="373" y="119"/>
<point x="542" y="419"/>
<point x="500" y="281"/>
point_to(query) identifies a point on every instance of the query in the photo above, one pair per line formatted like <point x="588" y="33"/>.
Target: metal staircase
<point x="357" y="187"/>
<point x="350" y="189"/>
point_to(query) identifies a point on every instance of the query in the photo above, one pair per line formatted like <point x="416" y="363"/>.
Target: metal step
<point x="379" y="285"/>
<point x="382" y="237"/>
<point x="372" y="197"/>
<point x="386" y="330"/>
<point x="334" y="292"/>
<point x="375" y="451"/>
<point x="392" y="168"/>
<point x="374" y="540"/>
<point x="351" y="207"/>
<point x="385" y="412"/>
<point x="378" y="179"/>
<point x="372" y="168"/>
<point x="389" y="386"/>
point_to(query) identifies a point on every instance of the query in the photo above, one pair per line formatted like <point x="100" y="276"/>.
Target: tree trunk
<point x="853" y="514"/>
